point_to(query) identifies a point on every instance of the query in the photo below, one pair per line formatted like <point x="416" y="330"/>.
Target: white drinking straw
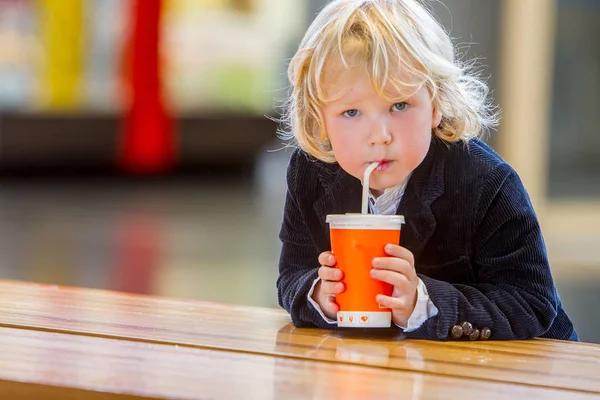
<point x="365" y="192"/>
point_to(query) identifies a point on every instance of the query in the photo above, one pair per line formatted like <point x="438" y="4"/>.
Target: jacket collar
<point x="342" y="194"/>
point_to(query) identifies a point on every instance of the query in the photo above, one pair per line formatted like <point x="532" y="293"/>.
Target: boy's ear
<point x="436" y="118"/>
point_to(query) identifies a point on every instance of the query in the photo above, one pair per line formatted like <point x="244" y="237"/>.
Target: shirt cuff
<point x="315" y="305"/>
<point x="424" y="309"/>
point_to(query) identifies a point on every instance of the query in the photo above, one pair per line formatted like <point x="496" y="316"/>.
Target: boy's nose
<point x="380" y="134"/>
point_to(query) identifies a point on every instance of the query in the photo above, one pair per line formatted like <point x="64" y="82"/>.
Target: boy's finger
<point x="328" y="287"/>
<point x="327" y="259"/>
<point x="395" y="279"/>
<point x="394" y="264"/>
<point x="331" y="306"/>
<point x="397" y="303"/>
<point x="400" y="252"/>
<point x="330" y="274"/>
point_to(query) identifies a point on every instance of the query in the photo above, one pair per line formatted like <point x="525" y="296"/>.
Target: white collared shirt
<point x="387" y="203"/>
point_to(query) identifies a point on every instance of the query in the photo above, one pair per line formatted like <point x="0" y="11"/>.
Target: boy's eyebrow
<point x="391" y="97"/>
<point x="340" y="98"/>
<point x="342" y="104"/>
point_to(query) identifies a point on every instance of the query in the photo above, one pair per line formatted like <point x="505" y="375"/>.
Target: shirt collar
<point x="389" y="200"/>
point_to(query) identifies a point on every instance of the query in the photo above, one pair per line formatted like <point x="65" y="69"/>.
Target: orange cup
<point x="356" y="239"/>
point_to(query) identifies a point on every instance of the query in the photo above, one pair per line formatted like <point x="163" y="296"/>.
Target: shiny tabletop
<point x="41" y="365"/>
<point x="250" y="333"/>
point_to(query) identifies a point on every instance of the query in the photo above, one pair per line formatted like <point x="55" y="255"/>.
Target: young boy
<point x="377" y="80"/>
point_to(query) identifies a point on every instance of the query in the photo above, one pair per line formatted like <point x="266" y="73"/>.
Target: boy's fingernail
<point x="330" y="260"/>
<point x="376" y="262"/>
<point x="389" y="247"/>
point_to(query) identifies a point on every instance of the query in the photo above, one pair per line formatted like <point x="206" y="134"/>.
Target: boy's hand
<point x="399" y="271"/>
<point x="329" y="285"/>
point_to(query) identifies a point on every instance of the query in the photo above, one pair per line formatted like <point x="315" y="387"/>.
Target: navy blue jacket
<point x="472" y="229"/>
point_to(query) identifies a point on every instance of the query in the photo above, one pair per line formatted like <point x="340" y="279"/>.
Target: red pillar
<point x="147" y="143"/>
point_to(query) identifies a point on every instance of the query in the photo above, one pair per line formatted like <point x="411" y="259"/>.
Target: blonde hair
<point x="382" y="37"/>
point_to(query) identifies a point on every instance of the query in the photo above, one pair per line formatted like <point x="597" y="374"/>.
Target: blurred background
<point x="137" y="151"/>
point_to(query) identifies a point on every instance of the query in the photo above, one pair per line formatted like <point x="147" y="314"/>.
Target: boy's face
<point x="363" y="127"/>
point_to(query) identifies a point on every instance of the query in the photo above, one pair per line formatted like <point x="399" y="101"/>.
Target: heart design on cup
<point x="341" y="319"/>
<point x="351" y="319"/>
<point x="364" y="318"/>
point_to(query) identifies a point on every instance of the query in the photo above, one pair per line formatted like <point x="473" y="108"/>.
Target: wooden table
<point x="59" y="342"/>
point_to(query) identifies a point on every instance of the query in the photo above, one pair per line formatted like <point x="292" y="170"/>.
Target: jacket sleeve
<point x="298" y="262"/>
<point x="514" y="294"/>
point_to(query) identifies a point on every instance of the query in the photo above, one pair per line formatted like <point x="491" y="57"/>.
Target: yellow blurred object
<point x="62" y="37"/>
<point x="178" y="6"/>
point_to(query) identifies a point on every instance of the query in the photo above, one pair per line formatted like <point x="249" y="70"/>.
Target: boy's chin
<point x="383" y="184"/>
<point x="377" y="188"/>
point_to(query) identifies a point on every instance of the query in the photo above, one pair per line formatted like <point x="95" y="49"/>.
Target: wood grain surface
<point x="259" y="331"/>
<point x="47" y="365"/>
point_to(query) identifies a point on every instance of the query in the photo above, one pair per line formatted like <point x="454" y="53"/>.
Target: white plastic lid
<point x="365" y="221"/>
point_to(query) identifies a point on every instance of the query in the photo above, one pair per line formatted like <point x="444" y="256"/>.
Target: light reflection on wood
<point x="269" y="332"/>
<point x="41" y="365"/>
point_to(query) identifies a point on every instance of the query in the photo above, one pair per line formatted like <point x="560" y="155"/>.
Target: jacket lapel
<point x="342" y="194"/>
<point x="426" y="184"/>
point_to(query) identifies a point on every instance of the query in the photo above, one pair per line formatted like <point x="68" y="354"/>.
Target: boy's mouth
<point x="383" y="165"/>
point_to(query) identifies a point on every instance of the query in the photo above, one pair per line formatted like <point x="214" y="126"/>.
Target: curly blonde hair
<point x="382" y="37"/>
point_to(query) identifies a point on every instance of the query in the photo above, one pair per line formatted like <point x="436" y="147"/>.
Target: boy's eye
<point x="399" y="106"/>
<point x="351" y="113"/>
